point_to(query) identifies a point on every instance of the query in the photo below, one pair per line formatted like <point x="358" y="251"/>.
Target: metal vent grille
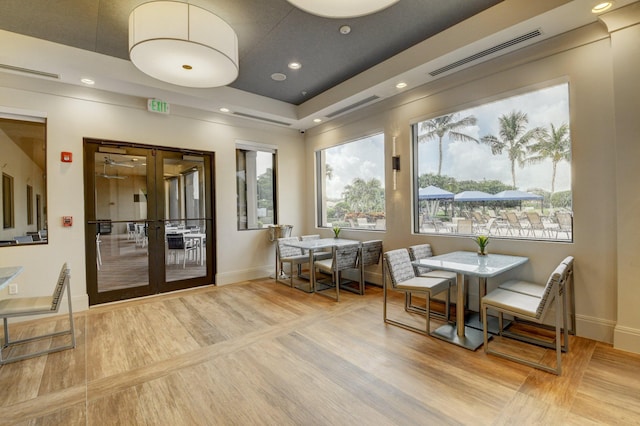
<point x="255" y="117"/>
<point x="353" y="106"/>
<point x="29" y="71"/>
<point x="486" y="52"/>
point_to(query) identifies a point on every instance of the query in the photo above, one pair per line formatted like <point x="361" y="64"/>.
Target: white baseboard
<point x="626" y="339"/>
<point x="230" y="277"/>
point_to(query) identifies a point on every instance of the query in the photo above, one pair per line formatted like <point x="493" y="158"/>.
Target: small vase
<point x="482" y="253"/>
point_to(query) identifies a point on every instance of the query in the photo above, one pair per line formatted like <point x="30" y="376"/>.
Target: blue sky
<point x="471" y="161"/>
<point x="364" y="158"/>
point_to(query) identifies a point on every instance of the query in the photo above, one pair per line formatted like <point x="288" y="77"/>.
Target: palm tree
<point x="514" y="138"/>
<point x="554" y="145"/>
<point x="437" y="128"/>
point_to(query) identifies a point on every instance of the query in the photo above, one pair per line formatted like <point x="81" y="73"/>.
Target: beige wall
<point x="584" y="59"/>
<point x="75" y="113"/>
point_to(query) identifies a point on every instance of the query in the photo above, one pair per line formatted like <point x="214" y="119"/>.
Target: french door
<point x="149" y="220"/>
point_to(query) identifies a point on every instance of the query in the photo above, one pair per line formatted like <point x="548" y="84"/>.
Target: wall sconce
<point x="395" y="165"/>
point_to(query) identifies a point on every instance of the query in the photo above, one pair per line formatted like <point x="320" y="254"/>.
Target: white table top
<point x="7" y="273"/>
<point x="321" y="243"/>
<point x="469" y="263"/>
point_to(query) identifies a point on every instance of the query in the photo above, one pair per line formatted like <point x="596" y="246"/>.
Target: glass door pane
<point x="185" y="216"/>
<point x="122" y="216"/>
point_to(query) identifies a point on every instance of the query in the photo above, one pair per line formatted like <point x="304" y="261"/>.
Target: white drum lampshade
<point x="182" y="44"/>
<point x="342" y="8"/>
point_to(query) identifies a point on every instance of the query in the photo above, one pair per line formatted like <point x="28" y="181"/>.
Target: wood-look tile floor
<point x="258" y="352"/>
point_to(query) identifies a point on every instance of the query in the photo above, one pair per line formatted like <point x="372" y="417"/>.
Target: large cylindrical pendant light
<point x="182" y="44"/>
<point x="342" y="8"/>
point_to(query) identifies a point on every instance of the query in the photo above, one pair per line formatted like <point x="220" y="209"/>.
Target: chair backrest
<point x="58" y="291"/>
<point x="399" y="266"/>
<point x="23" y="239"/>
<point x="285" y="250"/>
<point x="534" y="220"/>
<point x="568" y="261"/>
<point x="420" y="251"/>
<point x="479" y="218"/>
<point x="371" y="252"/>
<point x="513" y="220"/>
<point x="308" y="238"/>
<point x="345" y="257"/>
<point x="553" y="285"/>
<point x="34" y="235"/>
<point x="465" y="226"/>
<point x="564" y="220"/>
<point x="175" y="242"/>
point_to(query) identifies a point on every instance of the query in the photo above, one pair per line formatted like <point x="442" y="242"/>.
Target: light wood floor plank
<point x="260" y="353"/>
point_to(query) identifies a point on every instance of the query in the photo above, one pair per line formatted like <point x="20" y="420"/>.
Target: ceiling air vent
<point x="353" y="106"/>
<point x="487" y="52"/>
<point x="29" y="71"/>
<point x="255" y="117"/>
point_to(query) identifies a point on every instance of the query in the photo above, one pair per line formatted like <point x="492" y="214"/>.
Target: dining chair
<point x="344" y="257"/>
<point x="31" y="306"/>
<point x="537" y="290"/>
<point x="423" y="251"/>
<point x="397" y="266"/>
<point x="370" y="254"/>
<point x="176" y="243"/>
<point x="291" y="255"/>
<point x="530" y="308"/>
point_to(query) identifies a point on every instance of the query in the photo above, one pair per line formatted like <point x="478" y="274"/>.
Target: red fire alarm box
<point x="66" y="157"/>
<point x="67" y="220"/>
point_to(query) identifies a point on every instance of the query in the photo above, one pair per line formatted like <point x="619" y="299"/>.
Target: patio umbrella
<point x="432" y="195"/>
<point x="477" y="196"/>
<point x="517" y="195"/>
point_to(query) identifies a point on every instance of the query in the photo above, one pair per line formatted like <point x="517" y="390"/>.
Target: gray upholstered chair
<point x="370" y="254"/>
<point x="177" y="243"/>
<point x="397" y="265"/>
<point x="530" y="308"/>
<point x="31" y="306"/>
<point x="291" y="255"/>
<point x="537" y="290"/>
<point x="423" y="251"/>
<point x="344" y="257"/>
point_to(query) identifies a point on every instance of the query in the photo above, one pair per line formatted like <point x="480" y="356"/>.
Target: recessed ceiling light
<point x="602" y="6"/>
<point x="401" y="85"/>
<point x="278" y="76"/>
<point x="317" y="120"/>
<point x="295" y="65"/>
<point x="88" y="81"/>
<point x="223" y="109"/>
<point x="345" y="29"/>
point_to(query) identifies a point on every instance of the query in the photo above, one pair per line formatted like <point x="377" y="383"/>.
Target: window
<point x="501" y="169"/>
<point x="24" y="157"/>
<point x="255" y="176"/>
<point x="7" y="202"/>
<point x="350" y="179"/>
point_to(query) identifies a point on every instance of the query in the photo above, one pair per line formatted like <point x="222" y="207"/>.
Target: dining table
<point x="469" y="263"/>
<point x="8" y="273"/>
<point x="314" y="245"/>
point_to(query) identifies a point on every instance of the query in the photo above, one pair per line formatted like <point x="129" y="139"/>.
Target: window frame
<point x="463" y="107"/>
<point x="245" y="146"/>
<point x="320" y="176"/>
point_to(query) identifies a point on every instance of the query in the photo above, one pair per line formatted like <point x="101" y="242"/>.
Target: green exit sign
<point x="156" y="105"/>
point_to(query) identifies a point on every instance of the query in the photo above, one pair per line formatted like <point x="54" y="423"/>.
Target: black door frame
<point x="155" y="222"/>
